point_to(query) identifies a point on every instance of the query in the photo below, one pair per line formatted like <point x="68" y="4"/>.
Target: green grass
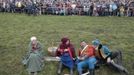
<point x="16" y="30"/>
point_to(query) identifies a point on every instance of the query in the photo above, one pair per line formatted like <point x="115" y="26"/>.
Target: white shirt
<point x="73" y="6"/>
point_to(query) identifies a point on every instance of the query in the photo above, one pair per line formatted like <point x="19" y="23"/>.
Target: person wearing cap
<point x="105" y="51"/>
<point x="66" y="52"/>
<point x="34" y="58"/>
<point x="105" y="55"/>
<point x="86" y="58"/>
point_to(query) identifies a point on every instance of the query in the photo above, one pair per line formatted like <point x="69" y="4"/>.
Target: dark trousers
<point x="117" y="56"/>
<point x="117" y="65"/>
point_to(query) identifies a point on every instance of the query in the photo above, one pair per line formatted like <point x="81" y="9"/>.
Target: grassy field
<point x="16" y="30"/>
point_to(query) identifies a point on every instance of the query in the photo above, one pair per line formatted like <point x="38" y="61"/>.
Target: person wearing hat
<point x="86" y="59"/>
<point x="34" y="58"/>
<point x="105" y="51"/>
<point x="105" y="55"/>
<point x="66" y="52"/>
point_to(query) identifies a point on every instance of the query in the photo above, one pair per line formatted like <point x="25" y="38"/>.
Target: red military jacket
<point x="87" y="50"/>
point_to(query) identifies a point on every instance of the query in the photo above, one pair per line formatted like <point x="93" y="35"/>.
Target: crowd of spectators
<point x="69" y="7"/>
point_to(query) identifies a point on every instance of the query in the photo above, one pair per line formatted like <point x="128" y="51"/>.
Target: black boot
<point x="119" y="68"/>
<point x="126" y="72"/>
<point x="92" y="72"/>
<point x="59" y="69"/>
<point x="71" y="71"/>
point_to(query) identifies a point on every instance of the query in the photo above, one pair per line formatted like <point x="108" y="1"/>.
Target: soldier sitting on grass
<point x="104" y="55"/>
<point x="86" y="59"/>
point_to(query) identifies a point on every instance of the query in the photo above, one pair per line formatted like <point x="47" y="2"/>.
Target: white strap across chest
<point x="84" y="49"/>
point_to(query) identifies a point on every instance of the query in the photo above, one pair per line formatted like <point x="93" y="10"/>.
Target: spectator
<point x="121" y="10"/>
<point x="68" y="7"/>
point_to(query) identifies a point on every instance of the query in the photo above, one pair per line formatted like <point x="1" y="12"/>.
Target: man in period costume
<point x="86" y="58"/>
<point x="104" y="55"/>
